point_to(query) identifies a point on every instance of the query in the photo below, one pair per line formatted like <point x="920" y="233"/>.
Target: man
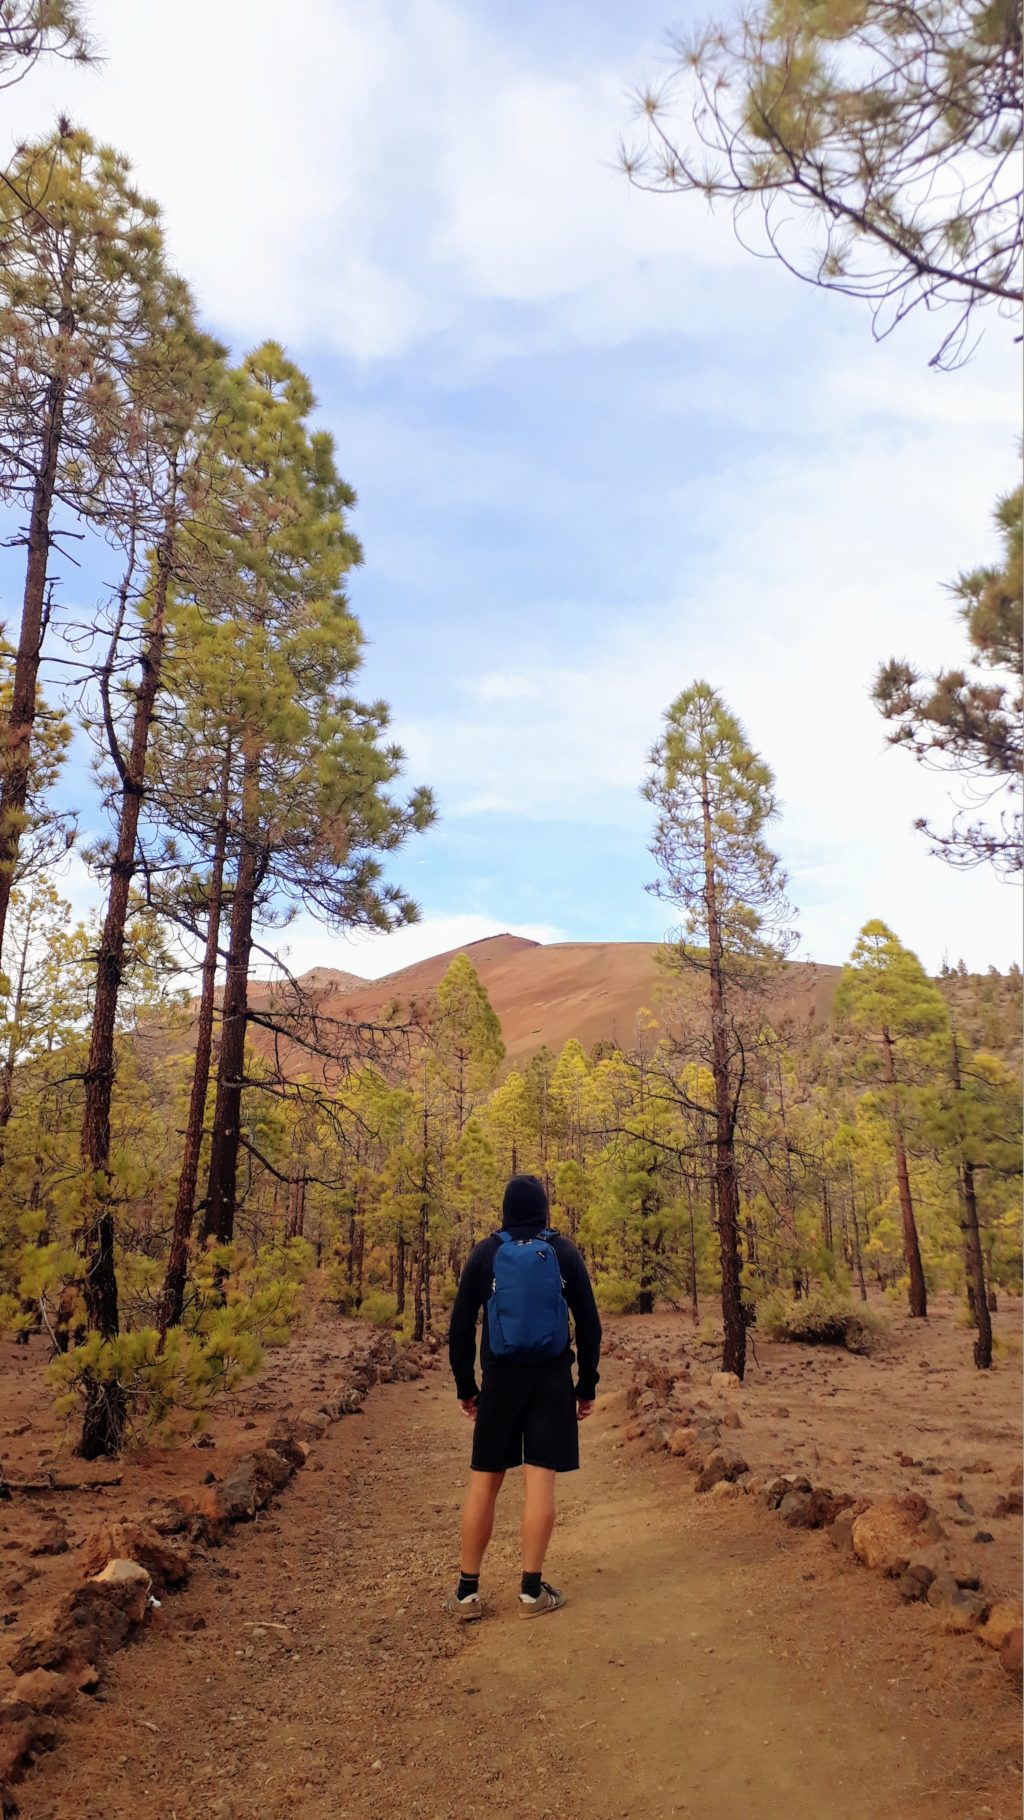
<point x="527" y="1412"/>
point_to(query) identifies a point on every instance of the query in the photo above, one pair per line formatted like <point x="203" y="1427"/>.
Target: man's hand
<point x="468" y="1408"/>
<point x="584" y="1408"/>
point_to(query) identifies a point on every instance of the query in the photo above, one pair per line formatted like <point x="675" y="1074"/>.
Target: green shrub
<point x="823" y="1318"/>
<point x="378" y="1308"/>
<point x="615" y="1296"/>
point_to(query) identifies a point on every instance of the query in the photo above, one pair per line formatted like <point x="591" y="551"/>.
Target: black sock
<point x="531" y="1586"/>
<point x="468" y="1585"/>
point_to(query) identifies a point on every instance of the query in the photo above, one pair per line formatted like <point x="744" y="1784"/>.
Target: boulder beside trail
<point x="889" y="1532"/>
<point x="959" y="1608"/>
<point x="166" y="1564"/>
<point x="1003" y="1619"/>
<point x="722" y="1463"/>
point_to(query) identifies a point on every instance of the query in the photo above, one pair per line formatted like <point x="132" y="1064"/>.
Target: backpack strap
<point x="504" y="1238"/>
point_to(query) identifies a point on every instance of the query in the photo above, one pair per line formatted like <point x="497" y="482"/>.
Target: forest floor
<point x="709" y="1662"/>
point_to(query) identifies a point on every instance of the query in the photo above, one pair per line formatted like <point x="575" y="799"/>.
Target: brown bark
<point x="7" y="1072"/>
<point x="222" y="1182"/>
<point x="103" y="1426"/>
<point x="974" y="1258"/>
<point x="734" y="1348"/>
<point x="857" y="1254"/>
<point x="173" y="1299"/>
<point x="418" y="1262"/>
<point x="694" y="1304"/>
<point x="400" y="1275"/>
<point x="827" y="1235"/>
<point x="17" y="759"/>
<point x="360" y="1245"/>
<point x="918" y="1291"/>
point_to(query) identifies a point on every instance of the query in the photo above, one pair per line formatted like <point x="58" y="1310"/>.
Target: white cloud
<point x="363" y="177"/>
<point x="814" y="568"/>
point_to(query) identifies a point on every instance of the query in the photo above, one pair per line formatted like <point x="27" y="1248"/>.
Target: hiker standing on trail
<point x="528" y="1280"/>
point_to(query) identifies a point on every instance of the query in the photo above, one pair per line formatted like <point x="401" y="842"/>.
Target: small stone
<point x="1011" y="1653"/>
<point x="52" y="1539"/>
<point x="959" y="1609"/>
<point x="317" y="1420"/>
<point x="44" y="1689"/>
<point x="726" y="1380"/>
<point x="132" y="1585"/>
<point x="813" y="1509"/>
<point x="166" y="1564"/>
<point x="885" y="1534"/>
<point x="681" y="1440"/>
<point x="1003" y="1619"/>
<point x="914" y="1583"/>
<point x="722" y="1463"/>
<point x="841" y="1531"/>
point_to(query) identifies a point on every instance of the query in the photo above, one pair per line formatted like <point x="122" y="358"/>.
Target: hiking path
<point x="709" y="1663"/>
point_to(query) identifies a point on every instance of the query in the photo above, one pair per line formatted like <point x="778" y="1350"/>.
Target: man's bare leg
<point x="538" y="1516"/>
<point x="478" y="1518"/>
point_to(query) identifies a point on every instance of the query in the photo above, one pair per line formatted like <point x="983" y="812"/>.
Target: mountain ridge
<point x="545" y="992"/>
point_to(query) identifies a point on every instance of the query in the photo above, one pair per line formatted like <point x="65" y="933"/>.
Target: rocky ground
<point x="917" y="1418"/>
<point x="710" y="1661"/>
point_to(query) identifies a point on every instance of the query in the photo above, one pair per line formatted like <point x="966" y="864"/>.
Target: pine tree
<point x="33" y="29"/>
<point x="972" y="724"/>
<point x="466" y="1046"/>
<point x="311" y="811"/>
<point x="176" y="392"/>
<point x="80" y="257"/>
<point x="876" y="147"/>
<point x="977" y="1292"/>
<point x="896" y="1014"/>
<point x="714" y="798"/>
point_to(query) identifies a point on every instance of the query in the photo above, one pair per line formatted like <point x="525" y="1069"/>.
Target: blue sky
<point x="599" y="450"/>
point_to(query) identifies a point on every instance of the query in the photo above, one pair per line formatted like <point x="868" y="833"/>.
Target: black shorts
<point x="527" y="1415"/>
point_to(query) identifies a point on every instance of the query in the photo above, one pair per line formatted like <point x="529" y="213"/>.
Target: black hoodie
<point x="524" y="1213"/>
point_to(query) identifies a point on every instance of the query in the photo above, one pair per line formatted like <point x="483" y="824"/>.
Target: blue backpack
<point x="526" y="1313"/>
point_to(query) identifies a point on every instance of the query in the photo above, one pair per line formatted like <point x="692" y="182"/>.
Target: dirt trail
<point x="709" y="1663"/>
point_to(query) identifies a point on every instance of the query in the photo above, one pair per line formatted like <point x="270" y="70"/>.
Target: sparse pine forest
<point x="189" y="1168"/>
<point x="661" y="628"/>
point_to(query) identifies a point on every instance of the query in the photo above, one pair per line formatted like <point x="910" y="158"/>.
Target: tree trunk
<point x="350" y="1267"/>
<point x="645" y="1298"/>
<point x="7" y="1072"/>
<point x="734" y="1348"/>
<point x="222" y="1181"/>
<point x="974" y="1258"/>
<point x="417" y="1287"/>
<point x="103" y="1427"/>
<point x="827" y="1235"/>
<point x="693" y="1250"/>
<point x="172" y="1302"/>
<point x="918" y="1292"/>
<point x="17" y="759"/>
<point x="400" y="1275"/>
<point x="857" y="1254"/>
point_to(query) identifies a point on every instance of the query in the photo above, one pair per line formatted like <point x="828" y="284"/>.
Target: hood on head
<point x="525" y="1203"/>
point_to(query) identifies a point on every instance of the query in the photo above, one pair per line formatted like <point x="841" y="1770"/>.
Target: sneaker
<point x="548" y="1599"/>
<point x="464" y="1611"/>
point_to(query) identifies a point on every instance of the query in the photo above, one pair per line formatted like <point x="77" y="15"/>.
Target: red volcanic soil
<point x="545" y="993"/>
